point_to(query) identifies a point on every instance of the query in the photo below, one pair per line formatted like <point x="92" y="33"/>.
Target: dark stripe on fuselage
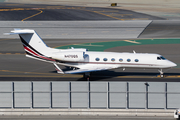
<point x="42" y="58"/>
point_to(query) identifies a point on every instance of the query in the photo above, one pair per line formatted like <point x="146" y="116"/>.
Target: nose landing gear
<point x="161" y="73"/>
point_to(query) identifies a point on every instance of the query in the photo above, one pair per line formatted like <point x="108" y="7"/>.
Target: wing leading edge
<point x="82" y="70"/>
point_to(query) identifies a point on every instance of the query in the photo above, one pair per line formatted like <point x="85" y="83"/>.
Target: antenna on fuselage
<point x="134" y="51"/>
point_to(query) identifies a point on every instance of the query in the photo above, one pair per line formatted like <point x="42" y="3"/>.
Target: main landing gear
<point x="161" y="73"/>
<point x="86" y="76"/>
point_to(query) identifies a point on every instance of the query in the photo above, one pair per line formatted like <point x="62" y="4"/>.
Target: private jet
<point x="84" y="61"/>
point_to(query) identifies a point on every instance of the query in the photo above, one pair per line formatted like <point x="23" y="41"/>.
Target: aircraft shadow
<point x="107" y="75"/>
<point x="118" y="75"/>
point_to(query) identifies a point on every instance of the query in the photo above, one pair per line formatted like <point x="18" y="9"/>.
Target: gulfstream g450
<point x="84" y="61"/>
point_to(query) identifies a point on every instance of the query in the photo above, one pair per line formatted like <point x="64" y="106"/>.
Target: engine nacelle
<point x="73" y="56"/>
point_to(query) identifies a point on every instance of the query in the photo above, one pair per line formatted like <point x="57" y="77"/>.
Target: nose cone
<point x="173" y="64"/>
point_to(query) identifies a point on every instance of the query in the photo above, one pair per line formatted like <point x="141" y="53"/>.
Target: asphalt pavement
<point x="38" y="12"/>
<point x="15" y="66"/>
<point x="162" y="29"/>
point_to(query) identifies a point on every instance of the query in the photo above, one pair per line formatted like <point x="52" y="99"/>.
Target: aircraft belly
<point x="142" y="66"/>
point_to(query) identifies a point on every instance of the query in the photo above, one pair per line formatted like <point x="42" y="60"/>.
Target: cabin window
<point x="129" y="60"/>
<point x="105" y="59"/>
<point x="97" y="59"/>
<point x="113" y="59"/>
<point x="136" y="60"/>
<point x="120" y="59"/>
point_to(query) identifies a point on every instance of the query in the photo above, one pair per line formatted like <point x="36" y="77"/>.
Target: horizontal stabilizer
<point x="20" y="31"/>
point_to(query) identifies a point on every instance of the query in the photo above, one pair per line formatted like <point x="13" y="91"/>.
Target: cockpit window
<point x="158" y="58"/>
<point x="161" y="58"/>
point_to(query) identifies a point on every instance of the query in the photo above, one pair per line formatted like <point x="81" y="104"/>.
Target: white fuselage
<point x="116" y="60"/>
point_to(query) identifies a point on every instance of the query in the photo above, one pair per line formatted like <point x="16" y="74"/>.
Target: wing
<point x="84" y="70"/>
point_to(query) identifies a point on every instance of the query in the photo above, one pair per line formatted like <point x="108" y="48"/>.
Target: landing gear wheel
<point x="161" y="73"/>
<point x="162" y="76"/>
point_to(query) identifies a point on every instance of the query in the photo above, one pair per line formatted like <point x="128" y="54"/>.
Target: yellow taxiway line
<point x="33" y="15"/>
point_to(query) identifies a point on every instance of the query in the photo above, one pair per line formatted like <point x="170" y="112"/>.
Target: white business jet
<point x="83" y="61"/>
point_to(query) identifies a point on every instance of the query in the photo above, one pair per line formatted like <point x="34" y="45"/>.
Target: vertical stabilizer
<point x="32" y="40"/>
<point x="33" y="44"/>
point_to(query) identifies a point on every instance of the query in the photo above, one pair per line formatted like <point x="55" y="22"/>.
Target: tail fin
<point x="33" y="44"/>
<point x="31" y="39"/>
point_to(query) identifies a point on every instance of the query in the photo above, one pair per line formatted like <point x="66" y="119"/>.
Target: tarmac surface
<point x="32" y="12"/>
<point x="162" y="29"/>
<point x="78" y="29"/>
<point x="168" y="9"/>
<point x="15" y="66"/>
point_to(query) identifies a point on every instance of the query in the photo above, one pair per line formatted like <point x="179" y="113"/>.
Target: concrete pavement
<point x="168" y="9"/>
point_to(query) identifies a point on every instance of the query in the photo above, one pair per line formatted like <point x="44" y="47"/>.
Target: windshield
<point x="161" y="58"/>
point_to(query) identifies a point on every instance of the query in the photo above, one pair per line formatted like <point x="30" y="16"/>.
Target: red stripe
<point x="32" y="52"/>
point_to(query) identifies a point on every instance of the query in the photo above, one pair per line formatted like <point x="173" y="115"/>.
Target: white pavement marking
<point x="132" y="41"/>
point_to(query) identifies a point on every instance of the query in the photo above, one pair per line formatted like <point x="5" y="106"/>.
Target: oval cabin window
<point x="136" y="60"/>
<point x="97" y="59"/>
<point x="105" y="59"/>
<point x="129" y="60"/>
<point x="113" y="59"/>
<point x="120" y="59"/>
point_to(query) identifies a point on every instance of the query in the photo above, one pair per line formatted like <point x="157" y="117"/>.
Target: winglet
<point x="58" y="69"/>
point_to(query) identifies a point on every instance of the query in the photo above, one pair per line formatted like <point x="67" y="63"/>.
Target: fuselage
<point x="116" y="60"/>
